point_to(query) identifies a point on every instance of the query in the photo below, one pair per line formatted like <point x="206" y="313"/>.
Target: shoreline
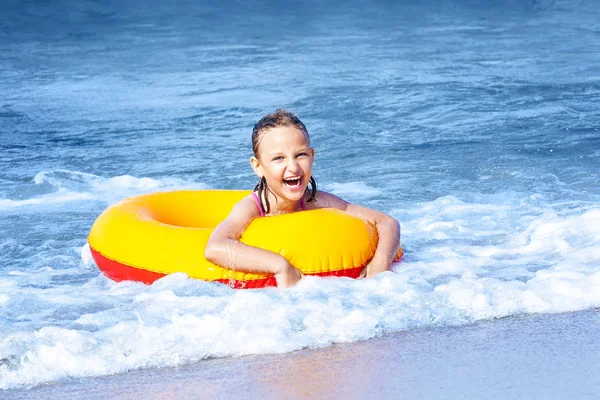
<point x="550" y="356"/>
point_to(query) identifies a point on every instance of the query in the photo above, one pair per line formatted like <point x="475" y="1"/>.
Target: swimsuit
<point x="260" y="209"/>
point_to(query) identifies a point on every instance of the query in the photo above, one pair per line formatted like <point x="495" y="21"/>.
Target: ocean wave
<point x="178" y="321"/>
<point x="70" y="186"/>
<point x="59" y="197"/>
<point x="352" y="189"/>
<point x="464" y="262"/>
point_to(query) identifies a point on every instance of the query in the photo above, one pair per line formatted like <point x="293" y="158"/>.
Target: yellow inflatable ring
<point x="146" y="237"/>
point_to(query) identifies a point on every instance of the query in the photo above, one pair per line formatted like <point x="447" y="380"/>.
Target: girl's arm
<point x="388" y="230"/>
<point x="224" y="248"/>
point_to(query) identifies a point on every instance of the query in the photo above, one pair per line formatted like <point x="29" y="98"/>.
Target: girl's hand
<point x="363" y="272"/>
<point x="288" y="275"/>
<point x="225" y="249"/>
<point x="372" y="268"/>
<point x="388" y="232"/>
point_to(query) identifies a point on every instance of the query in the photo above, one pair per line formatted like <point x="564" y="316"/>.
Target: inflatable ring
<point x="146" y="237"/>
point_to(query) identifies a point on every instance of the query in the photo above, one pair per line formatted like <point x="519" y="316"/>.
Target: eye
<point x="277" y="158"/>
<point x="302" y="154"/>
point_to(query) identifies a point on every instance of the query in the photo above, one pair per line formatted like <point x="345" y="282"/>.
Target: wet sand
<point x="549" y="356"/>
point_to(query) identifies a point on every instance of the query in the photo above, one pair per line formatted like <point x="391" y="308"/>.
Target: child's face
<point x="285" y="160"/>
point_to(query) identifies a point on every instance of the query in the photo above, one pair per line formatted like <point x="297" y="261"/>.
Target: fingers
<point x="288" y="277"/>
<point x="362" y="273"/>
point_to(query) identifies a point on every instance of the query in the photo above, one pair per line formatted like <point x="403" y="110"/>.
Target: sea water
<point x="473" y="123"/>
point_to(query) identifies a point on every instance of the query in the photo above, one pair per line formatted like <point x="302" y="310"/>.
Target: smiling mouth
<point x="293" y="183"/>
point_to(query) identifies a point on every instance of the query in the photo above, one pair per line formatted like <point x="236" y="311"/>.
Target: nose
<point x="293" y="165"/>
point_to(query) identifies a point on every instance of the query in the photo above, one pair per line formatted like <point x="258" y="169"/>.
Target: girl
<point x="283" y="161"/>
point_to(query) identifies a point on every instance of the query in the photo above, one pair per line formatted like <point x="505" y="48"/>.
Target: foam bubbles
<point x="86" y="255"/>
<point x="465" y="260"/>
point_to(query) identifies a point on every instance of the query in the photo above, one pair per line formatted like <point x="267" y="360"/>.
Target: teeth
<point x="292" y="181"/>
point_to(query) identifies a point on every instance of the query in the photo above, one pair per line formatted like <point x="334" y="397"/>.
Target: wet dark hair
<point x="279" y="118"/>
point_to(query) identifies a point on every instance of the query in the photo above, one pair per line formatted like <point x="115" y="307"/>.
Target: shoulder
<point x="242" y="213"/>
<point x="328" y="200"/>
<point x="246" y="207"/>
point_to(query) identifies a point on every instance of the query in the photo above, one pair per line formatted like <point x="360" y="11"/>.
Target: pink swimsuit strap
<point x="257" y="201"/>
<point x="259" y="205"/>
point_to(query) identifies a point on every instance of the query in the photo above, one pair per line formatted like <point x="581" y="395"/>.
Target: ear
<point x="312" y="153"/>
<point x="258" y="170"/>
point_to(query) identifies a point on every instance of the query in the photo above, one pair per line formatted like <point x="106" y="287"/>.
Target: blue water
<point x="474" y="123"/>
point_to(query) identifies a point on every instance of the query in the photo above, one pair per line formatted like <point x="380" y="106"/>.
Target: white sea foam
<point x="185" y="321"/>
<point x="73" y="186"/>
<point x="464" y="262"/>
<point x="59" y="197"/>
<point x="86" y="255"/>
